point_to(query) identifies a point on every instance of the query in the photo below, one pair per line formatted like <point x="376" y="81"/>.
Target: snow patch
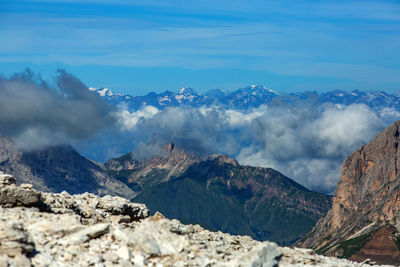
<point x="273" y="91"/>
<point x="161" y="100"/>
<point x="104" y="92"/>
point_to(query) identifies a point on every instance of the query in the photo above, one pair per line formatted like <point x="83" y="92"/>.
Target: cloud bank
<point x="306" y="143"/>
<point x="35" y="115"/>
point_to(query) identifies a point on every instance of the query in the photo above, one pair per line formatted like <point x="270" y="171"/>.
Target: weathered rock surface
<point x="367" y="197"/>
<point x="168" y="164"/>
<point x="11" y="195"/>
<point x="86" y="230"/>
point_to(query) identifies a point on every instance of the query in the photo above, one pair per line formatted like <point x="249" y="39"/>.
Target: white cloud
<point x="389" y="114"/>
<point x="341" y="127"/>
<point x="128" y="120"/>
<point x="237" y="118"/>
<point x="306" y="143"/>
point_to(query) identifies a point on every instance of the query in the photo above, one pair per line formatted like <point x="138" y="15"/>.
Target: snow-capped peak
<point x="187" y="91"/>
<point x="258" y="87"/>
<point x="102" y="91"/>
<point x="273" y="91"/>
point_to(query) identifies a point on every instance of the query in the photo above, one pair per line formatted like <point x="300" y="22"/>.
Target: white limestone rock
<point x="86" y="230"/>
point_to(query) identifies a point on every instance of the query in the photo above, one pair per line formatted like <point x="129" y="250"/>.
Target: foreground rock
<point x="364" y="220"/>
<point x="46" y="229"/>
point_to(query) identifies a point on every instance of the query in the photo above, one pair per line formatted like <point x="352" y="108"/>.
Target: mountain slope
<point x="367" y="199"/>
<point x="259" y="202"/>
<point x="57" y="169"/>
<point x="170" y="163"/>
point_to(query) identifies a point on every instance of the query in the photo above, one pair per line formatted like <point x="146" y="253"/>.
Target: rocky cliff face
<point x="259" y="202"/>
<point x="59" y="168"/>
<point x="48" y="229"/>
<point x="367" y="198"/>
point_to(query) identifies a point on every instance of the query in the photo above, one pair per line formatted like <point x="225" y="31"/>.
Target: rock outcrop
<point x="367" y="199"/>
<point x="87" y="230"/>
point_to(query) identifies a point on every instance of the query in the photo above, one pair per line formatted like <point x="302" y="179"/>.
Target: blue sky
<point x="140" y="46"/>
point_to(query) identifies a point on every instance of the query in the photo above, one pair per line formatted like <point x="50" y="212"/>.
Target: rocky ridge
<point x="366" y="201"/>
<point x="169" y="163"/>
<point x="48" y="229"/>
<point x="58" y="168"/>
<point x="228" y="197"/>
<point x="242" y="200"/>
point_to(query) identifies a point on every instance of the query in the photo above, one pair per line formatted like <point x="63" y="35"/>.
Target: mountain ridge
<point x="249" y="97"/>
<point x="229" y="197"/>
<point x="58" y="168"/>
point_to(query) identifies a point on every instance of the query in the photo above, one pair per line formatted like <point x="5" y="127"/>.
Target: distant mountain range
<point x="249" y="97"/>
<point x="219" y="194"/>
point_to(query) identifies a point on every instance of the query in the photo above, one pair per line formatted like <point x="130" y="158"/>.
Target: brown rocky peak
<point x="223" y="158"/>
<point x="173" y="153"/>
<point x="170" y="147"/>
<point x="173" y="150"/>
<point x="368" y="193"/>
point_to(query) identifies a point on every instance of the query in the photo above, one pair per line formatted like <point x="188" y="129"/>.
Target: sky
<point x="139" y="46"/>
<point x="135" y="47"/>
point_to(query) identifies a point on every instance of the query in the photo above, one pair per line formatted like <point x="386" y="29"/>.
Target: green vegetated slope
<point x="220" y="194"/>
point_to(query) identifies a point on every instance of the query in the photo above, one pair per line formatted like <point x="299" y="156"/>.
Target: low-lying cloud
<point x="310" y="144"/>
<point x="306" y="143"/>
<point x="35" y="115"/>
